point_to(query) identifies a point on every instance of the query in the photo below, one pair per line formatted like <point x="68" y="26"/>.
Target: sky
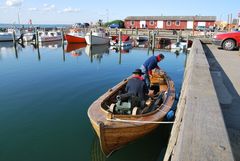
<point x="75" y="11"/>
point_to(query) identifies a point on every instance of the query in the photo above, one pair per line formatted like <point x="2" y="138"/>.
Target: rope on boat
<point x="143" y="122"/>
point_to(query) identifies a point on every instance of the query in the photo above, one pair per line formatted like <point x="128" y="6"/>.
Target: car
<point x="201" y="28"/>
<point x="114" y="26"/>
<point x="228" y="41"/>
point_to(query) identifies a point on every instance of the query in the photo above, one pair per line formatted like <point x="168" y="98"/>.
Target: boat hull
<point x="75" y="38"/>
<point x="96" y="40"/>
<point x="48" y="38"/>
<point x="7" y="37"/>
<point x="115" y="134"/>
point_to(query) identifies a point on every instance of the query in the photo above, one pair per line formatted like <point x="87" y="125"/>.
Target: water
<point x="45" y="94"/>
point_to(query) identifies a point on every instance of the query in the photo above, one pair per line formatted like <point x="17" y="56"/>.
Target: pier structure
<point x="207" y="118"/>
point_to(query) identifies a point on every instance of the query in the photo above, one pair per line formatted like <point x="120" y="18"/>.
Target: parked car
<point x="201" y="28"/>
<point x="227" y="41"/>
<point x="114" y="26"/>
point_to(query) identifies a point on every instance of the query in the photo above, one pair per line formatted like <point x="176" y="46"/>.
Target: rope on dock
<point x="143" y="122"/>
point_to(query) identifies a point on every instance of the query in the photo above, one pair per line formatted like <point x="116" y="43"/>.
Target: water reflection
<point x="9" y="47"/>
<point x="96" y="51"/>
<point x="75" y="49"/>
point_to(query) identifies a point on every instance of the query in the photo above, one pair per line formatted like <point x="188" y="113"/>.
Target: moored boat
<point x="125" y="41"/>
<point x="75" y="36"/>
<point x="97" y="38"/>
<point x="46" y="36"/>
<point x="117" y="123"/>
<point x="8" y="35"/>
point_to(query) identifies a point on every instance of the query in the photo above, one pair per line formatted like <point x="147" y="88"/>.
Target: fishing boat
<point x="46" y="36"/>
<point x="97" y="38"/>
<point x="118" y="123"/>
<point x="75" y="36"/>
<point x="8" y="35"/>
<point x="125" y="41"/>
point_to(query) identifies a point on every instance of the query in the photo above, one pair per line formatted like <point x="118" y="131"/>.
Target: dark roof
<point x="187" y="18"/>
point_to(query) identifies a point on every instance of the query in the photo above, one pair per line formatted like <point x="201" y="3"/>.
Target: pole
<point x="120" y="39"/>
<point x="91" y="37"/>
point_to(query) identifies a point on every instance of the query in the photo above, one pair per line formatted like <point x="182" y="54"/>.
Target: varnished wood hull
<point x="114" y="135"/>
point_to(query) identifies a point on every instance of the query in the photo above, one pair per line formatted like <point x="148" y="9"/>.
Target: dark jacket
<point x="137" y="87"/>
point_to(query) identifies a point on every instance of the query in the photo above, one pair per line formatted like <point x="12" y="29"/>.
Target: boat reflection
<point x="122" y="50"/>
<point x="9" y="47"/>
<point x="96" y="51"/>
<point x="75" y="49"/>
<point x="50" y="45"/>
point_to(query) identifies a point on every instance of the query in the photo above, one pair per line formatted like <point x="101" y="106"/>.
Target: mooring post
<point x="120" y="39"/>
<point x="37" y="37"/>
<point x="178" y="37"/>
<point x="132" y="31"/>
<point x="14" y="37"/>
<point x="137" y="31"/>
<point x="187" y="41"/>
<point x="62" y="32"/>
<point x="116" y="31"/>
<point x="90" y="37"/>
<point x="153" y="40"/>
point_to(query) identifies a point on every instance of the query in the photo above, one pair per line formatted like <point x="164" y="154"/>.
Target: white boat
<point x="44" y="36"/>
<point x="28" y="36"/>
<point x="97" y="38"/>
<point x="8" y="36"/>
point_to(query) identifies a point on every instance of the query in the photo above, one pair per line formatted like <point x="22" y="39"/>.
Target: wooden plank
<point x="200" y="132"/>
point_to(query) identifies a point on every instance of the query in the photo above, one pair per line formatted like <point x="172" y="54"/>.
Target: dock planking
<point x="199" y="132"/>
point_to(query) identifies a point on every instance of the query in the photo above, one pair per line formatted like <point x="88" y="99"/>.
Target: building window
<point x="132" y="22"/>
<point x="177" y="23"/>
<point x="168" y="23"/>
<point x="151" y="23"/>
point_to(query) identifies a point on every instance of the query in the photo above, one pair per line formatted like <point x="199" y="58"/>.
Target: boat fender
<point x="170" y="115"/>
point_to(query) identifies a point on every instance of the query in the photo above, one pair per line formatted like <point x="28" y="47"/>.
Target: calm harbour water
<point x="45" y="94"/>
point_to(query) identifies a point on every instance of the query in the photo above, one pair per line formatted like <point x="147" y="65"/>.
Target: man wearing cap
<point x="136" y="85"/>
<point x="150" y="64"/>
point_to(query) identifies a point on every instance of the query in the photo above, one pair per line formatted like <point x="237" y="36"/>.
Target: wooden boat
<point x="116" y="130"/>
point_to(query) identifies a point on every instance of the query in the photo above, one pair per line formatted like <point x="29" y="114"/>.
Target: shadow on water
<point x="151" y="148"/>
<point x="229" y="104"/>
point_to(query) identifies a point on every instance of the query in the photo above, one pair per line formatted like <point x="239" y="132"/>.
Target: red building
<point x="169" y="22"/>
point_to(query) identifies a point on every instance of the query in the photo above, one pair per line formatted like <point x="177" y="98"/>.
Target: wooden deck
<point x="199" y="132"/>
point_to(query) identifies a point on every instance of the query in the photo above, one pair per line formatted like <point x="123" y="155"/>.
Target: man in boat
<point x="150" y="64"/>
<point x="136" y="85"/>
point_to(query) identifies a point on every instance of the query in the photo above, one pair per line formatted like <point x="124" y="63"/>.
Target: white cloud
<point x="14" y="3"/>
<point x="33" y="9"/>
<point x="69" y="10"/>
<point x="48" y="7"/>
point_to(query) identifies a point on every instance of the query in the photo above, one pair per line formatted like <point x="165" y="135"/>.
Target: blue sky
<point x="72" y="11"/>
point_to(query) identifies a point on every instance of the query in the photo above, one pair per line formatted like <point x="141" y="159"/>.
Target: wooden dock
<point x="199" y="133"/>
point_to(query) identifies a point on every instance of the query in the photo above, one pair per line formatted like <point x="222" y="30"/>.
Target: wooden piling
<point x="120" y="39"/>
<point x="187" y="41"/>
<point x="153" y="40"/>
<point x="62" y="32"/>
<point x="14" y="37"/>
<point x="178" y="37"/>
<point x="136" y="31"/>
<point x="91" y="37"/>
